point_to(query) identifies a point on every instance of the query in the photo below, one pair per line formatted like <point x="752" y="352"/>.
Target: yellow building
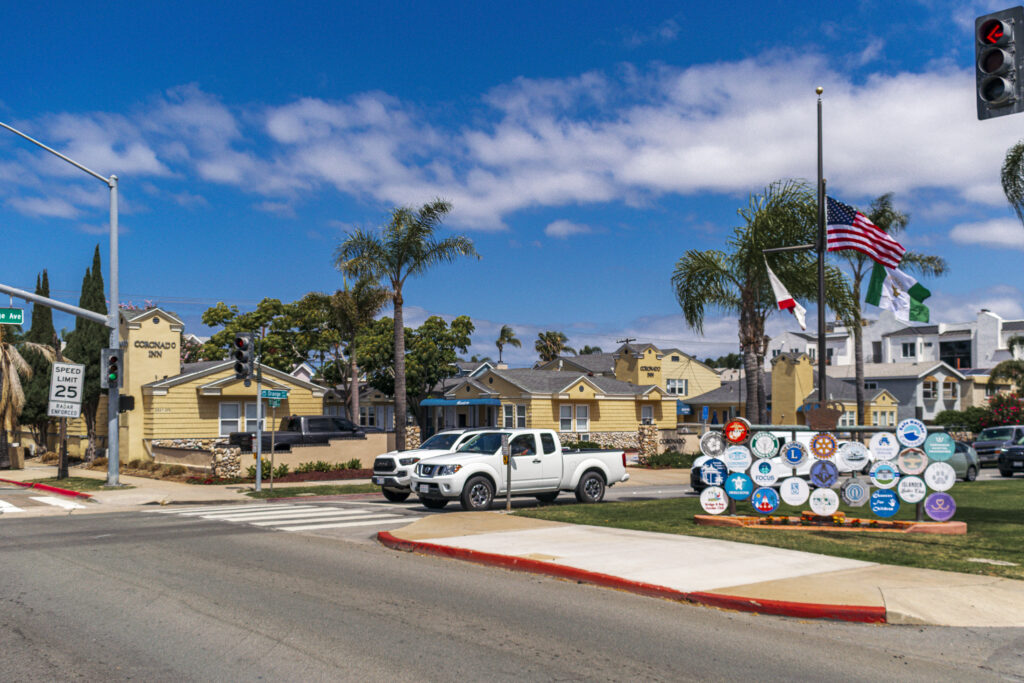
<point x="579" y="406"/>
<point x="192" y="401"/>
<point x="979" y="388"/>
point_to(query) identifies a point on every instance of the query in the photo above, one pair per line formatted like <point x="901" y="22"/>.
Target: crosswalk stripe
<point x="6" y="507"/>
<point x="214" y="514"/>
<point x="50" y="500"/>
<point x="324" y="518"/>
<point x="365" y="522"/>
<point x="278" y="514"/>
<point x="175" y="510"/>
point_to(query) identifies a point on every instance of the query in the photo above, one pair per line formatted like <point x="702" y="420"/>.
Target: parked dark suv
<point x="992" y="441"/>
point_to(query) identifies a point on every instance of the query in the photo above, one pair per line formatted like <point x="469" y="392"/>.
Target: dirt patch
<point x="325" y="476"/>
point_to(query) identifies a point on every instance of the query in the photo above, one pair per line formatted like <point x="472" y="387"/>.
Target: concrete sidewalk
<point x="719" y="573"/>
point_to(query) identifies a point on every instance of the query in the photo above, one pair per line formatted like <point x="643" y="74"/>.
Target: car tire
<point x="477" y="494"/>
<point x="395" y="496"/>
<point x="547" y="497"/>
<point x="590" y="488"/>
<point x="1005" y="473"/>
<point x="971" y="474"/>
<point x="433" y="503"/>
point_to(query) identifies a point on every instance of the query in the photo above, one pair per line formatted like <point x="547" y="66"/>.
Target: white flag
<point x="786" y="302"/>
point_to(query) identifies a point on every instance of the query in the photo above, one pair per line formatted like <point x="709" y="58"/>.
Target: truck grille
<point x="986" y="452"/>
<point x="384" y="465"/>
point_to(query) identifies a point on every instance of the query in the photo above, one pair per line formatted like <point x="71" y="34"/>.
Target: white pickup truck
<point x="392" y="471"/>
<point x="475" y="473"/>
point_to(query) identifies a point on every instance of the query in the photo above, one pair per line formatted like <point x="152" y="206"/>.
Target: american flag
<point x="850" y="229"/>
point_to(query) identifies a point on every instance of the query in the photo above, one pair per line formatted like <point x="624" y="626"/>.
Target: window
<point x="582" y="418"/>
<point x="848" y="419"/>
<point x="828" y="356"/>
<point x="993" y="389"/>
<point x="250" y="417"/>
<point x="675" y="359"/>
<point x="874" y="418"/>
<point x="523" y="445"/>
<point x="909" y="349"/>
<point x="949" y="389"/>
<point x="367" y="416"/>
<point x="870" y="385"/>
<point x="647" y="414"/>
<point x="547" y="442"/>
<point x="509" y="420"/>
<point x="228" y="418"/>
<point x="930" y="390"/>
<point x="565" y="418"/>
<point x="521" y="416"/>
<point x="891" y="418"/>
<point x="812" y="353"/>
<point x="678" y="387"/>
<point x="776" y="352"/>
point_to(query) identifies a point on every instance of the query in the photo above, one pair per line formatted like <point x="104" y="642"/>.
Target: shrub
<point x="49" y="457"/>
<point x="1003" y="409"/>
<point x="136" y="464"/>
<point x="281" y="470"/>
<point x="175" y="470"/>
<point x="581" y="445"/>
<point x="354" y="464"/>
<point x="99" y="463"/>
<point x="306" y="467"/>
<point x="323" y="466"/>
<point x="670" y="459"/>
<point x="264" y="470"/>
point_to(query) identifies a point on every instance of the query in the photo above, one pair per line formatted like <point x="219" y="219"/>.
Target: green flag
<point x="893" y="290"/>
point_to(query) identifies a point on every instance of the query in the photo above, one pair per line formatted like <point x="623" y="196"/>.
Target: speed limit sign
<point x="66" y="385"/>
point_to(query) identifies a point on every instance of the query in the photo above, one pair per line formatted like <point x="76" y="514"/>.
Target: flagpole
<point x="822" y="379"/>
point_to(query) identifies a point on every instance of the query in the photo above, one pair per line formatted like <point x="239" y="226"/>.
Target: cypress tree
<point x="85" y="343"/>
<point x="37" y="389"/>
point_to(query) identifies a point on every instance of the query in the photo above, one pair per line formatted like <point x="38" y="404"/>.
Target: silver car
<point x="965" y="462"/>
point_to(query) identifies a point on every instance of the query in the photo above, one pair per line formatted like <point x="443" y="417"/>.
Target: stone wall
<point x="209" y="455"/>
<point x="412" y="437"/>
<point x="625" y="441"/>
<point x="649" y="441"/>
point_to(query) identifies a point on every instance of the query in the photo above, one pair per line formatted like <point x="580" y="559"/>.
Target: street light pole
<point x="113" y="319"/>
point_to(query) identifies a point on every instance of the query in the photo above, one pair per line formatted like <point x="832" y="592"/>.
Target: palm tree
<point x="1012" y="178"/>
<point x="886" y="217"/>
<point x="736" y="281"/>
<point x="354" y="309"/>
<point x="405" y="247"/>
<point x="12" y="395"/>
<point x="1012" y="369"/>
<point x="507" y="336"/>
<point x="587" y="350"/>
<point x="551" y="344"/>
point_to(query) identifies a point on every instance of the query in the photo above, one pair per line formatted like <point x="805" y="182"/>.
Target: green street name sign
<point x="280" y="394"/>
<point x="12" y="316"/>
<point x="274" y="402"/>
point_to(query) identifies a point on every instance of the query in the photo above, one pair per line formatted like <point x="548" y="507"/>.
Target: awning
<point x="460" y="402"/>
<point x="930" y="378"/>
<point x="683" y="408"/>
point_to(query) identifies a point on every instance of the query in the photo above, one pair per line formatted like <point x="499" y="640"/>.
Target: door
<point x="527" y="463"/>
<point x="551" y="461"/>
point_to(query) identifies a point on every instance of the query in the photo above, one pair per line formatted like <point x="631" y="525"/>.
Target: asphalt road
<point x="161" y="597"/>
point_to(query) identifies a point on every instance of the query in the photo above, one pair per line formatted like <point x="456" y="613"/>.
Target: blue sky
<point x="585" y="146"/>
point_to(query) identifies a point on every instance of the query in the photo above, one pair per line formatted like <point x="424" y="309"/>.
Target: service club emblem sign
<point x="855" y="492"/>
<point x="824" y="445"/>
<point x="884" y="446"/>
<point x="911" y="433"/>
<point x="912" y="461"/>
<point x="794" y="453"/>
<point x="824" y="502"/>
<point x="764" y="444"/>
<point x="737" y="431"/>
<point x="713" y="444"/>
<point x="765" y="500"/>
<point x="940" y="476"/>
<point x="911" y="489"/>
<point x="940" y="506"/>
<point x="713" y="500"/>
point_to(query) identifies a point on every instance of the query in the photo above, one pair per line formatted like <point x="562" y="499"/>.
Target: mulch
<point x="325" y="476"/>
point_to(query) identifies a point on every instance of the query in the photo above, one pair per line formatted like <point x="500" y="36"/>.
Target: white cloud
<point x="563" y="229"/>
<point x="49" y="208"/>
<point x="665" y="32"/>
<point x="1001" y="232"/>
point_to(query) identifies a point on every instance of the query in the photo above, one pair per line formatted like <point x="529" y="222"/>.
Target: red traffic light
<point x="994" y="32"/>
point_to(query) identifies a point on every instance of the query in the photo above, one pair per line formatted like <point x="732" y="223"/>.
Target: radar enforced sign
<point x="66" y="385"/>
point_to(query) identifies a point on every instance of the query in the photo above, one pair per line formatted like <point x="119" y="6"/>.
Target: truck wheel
<point x="477" y="494"/>
<point x="591" y="488"/>
<point x="433" y="503"/>
<point x="1005" y="473"/>
<point x="395" y="496"/>
<point x="547" y="497"/>
<point x="972" y="474"/>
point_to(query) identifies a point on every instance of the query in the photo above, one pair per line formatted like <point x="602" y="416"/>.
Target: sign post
<point x="506" y="453"/>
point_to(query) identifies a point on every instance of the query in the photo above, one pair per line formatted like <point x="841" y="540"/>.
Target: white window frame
<point x="520" y="416"/>
<point x="874" y="418"/>
<point x="949" y="391"/>
<point x="647" y="414"/>
<point x="508" y="416"/>
<point x="255" y="418"/>
<point x="367" y="416"/>
<point x="227" y="429"/>
<point x="912" y="347"/>
<point x="582" y="418"/>
<point x="929" y="390"/>
<point x="565" y="417"/>
<point x="870" y="385"/>
<point x="892" y="417"/>
<point x="848" y="419"/>
<point x="674" y="384"/>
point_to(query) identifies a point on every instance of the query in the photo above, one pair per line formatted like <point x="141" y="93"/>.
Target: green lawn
<point x="322" y="490"/>
<point x="993" y="511"/>
<point x="76" y="483"/>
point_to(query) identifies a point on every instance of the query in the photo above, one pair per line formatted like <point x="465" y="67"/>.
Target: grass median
<point x="323" y="490"/>
<point x="991" y="509"/>
<point x="76" y="483"/>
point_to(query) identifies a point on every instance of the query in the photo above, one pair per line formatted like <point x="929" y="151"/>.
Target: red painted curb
<point x="806" y="610"/>
<point x="47" y="487"/>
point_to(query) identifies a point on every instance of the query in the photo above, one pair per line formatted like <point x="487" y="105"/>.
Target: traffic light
<point x="125" y="403"/>
<point x="998" y="63"/>
<point x="110" y="368"/>
<point x="242" y="355"/>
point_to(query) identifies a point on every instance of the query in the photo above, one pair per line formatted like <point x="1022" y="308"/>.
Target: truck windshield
<point x="441" y="442"/>
<point x="993" y="433"/>
<point x="488" y="442"/>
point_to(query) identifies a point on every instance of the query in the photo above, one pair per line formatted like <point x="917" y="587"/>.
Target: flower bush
<point x="1003" y="409"/>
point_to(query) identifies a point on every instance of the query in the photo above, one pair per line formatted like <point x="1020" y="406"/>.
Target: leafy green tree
<point x="587" y="350"/>
<point x="407" y="246"/>
<point x="1012" y="369"/>
<point x="969" y="418"/>
<point x="354" y="310"/>
<point x="736" y="281"/>
<point x="86" y="342"/>
<point x="892" y="221"/>
<point x="551" y="344"/>
<point x="507" y="336"/>
<point x="730" y="360"/>
<point x="37" y="389"/>
<point x="431" y="354"/>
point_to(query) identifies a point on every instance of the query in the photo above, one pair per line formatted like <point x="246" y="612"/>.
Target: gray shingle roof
<point x="913" y="329"/>
<point x="729" y="392"/>
<point x="588" y="362"/>
<point x="552" y="381"/>
<point x="891" y="370"/>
